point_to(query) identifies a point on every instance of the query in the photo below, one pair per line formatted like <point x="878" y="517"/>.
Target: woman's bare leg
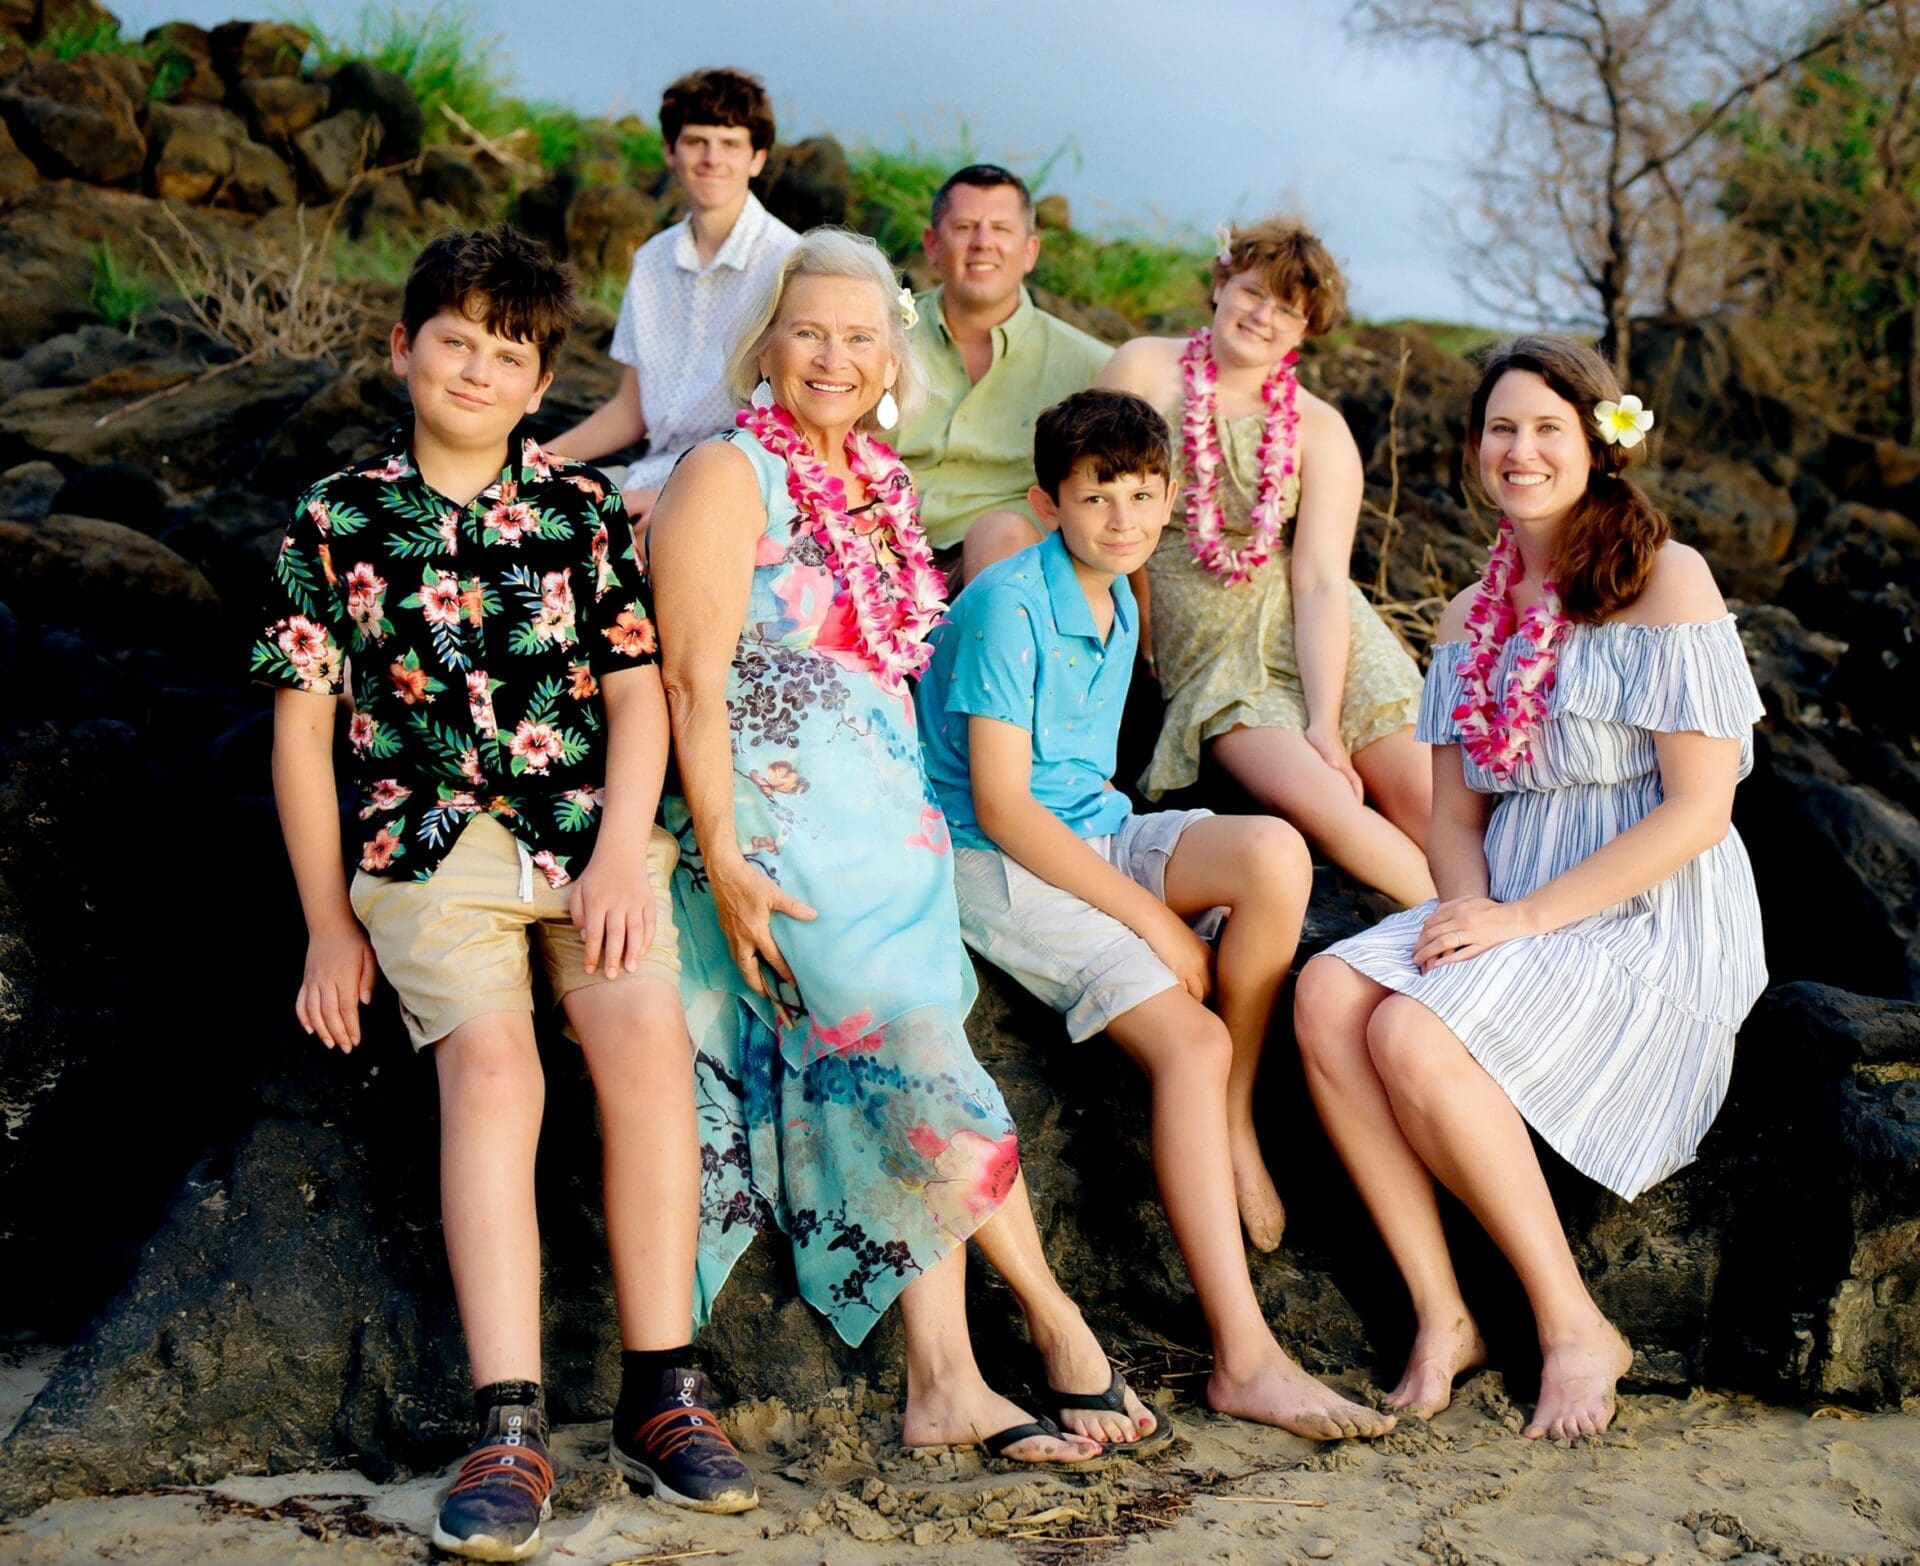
<point x="1332" y="1007"/>
<point x="1287" y="776"/>
<point x="948" y="1401"/>
<point x="1398" y="772"/>
<point x="1469" y="1134"/>
<point x="1072" y="1355"/>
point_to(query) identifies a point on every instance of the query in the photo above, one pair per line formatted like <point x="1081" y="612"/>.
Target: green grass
<point x="893" y="190"/>
<point x="436" y="50"/>
<point x="1159" y="280"/>
<point x="99" y="36"/>
<point x="118" y="294"/>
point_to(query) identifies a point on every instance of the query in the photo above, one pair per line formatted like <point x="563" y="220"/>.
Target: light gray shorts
<point x="1085" y="964"/>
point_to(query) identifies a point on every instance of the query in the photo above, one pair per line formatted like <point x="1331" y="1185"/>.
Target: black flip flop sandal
<point x="996" y="1445"/>
<point x="1114" y="1401"/>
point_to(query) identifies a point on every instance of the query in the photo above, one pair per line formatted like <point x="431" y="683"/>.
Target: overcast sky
<point x="1175" y="114"/>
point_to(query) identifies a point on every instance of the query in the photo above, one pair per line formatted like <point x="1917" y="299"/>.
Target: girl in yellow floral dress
<point x="1264" y="648"/>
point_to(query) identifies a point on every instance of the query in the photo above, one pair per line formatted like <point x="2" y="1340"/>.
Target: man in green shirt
<point x="994" y="361"/>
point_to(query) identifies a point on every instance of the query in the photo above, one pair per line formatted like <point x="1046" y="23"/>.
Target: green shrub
<point x="118" y="294"/>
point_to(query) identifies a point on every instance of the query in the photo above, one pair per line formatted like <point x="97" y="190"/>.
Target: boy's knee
<point x="1205" y="1046"/>
<point x="1275" y="856"/>
<point x="487" y="1056"/>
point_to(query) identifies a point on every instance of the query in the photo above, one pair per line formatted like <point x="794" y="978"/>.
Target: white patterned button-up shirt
<point x="677" y="323"/>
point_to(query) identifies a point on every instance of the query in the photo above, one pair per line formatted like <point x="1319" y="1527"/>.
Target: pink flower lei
<point x="894" y="606"/>
<point x="1278" y="457"/>
<point x="1498" y="735"/>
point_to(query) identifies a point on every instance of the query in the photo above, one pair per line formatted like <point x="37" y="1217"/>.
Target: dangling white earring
<point x="887" y="413"/>
<point x="762" y="394"/>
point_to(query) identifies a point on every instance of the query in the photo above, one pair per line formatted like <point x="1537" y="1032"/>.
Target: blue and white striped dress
<point x="1613" y="1036"/>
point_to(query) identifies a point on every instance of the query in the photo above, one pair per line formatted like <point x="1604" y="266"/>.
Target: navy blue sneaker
<point x="677" y="1449"/>
<point x="503" y="1492"/>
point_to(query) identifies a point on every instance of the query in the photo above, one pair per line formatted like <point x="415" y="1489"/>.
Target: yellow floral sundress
<point x="1225" y="653"/>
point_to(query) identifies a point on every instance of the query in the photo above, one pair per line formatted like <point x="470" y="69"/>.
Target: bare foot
<point x="1279" y="1392"/>
<point x="1441" y="1354"/>
<point x="1576" y="1384"/>
<point x="1260" y="1207"/>
<point x="1075" y="1362"/>
<point x="961" y="1416"/>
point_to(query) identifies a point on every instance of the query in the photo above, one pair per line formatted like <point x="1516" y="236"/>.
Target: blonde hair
<point x="829" y="252"/>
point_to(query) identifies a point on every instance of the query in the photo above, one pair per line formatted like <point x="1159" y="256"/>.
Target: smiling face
<point x="468" y="386"/>
<point x="830" y="356"/>
<point x="983" y="246"/>
<point x="1252" y="327"/>
<point x="714" y="163"/>
<point x="1108" y="525"/>
<point x="1534" y="452"/>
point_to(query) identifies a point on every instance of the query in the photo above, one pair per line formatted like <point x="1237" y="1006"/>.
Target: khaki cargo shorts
<point x="454" y="947"/>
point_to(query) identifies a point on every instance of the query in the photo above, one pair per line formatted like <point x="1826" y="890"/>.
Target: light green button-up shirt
<point x="970" y="449"/>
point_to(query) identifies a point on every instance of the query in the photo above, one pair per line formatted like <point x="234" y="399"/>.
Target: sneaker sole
<point x="636" y="1472"/>
<point x="484" y="1547"/>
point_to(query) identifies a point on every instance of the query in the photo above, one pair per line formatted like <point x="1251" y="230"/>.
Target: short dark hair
<point x="718" y="95"/>
<point x="982" y="176"/>
<point x="499" y="277"/>
<point x="1116" y="431"/>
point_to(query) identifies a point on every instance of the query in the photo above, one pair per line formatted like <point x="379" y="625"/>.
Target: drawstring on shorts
<point x="526" y="871"/>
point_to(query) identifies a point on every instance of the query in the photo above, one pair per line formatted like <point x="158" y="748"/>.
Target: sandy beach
<point x="1705" y="1478"/>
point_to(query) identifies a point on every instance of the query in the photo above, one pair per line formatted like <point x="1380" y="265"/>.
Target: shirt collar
<point x="400" y="466"/>
<point x="1009" y="331"/>
<point x="735" y="251"/>
<point x="1072" y="614"/>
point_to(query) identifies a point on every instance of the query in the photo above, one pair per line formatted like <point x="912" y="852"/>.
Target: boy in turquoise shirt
<point x="1104" y="914"/>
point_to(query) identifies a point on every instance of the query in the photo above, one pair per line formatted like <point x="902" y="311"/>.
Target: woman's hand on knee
<point x="1326" y="741"/>
<point x="746" y="901"/>
<point x="1465" y="927"/>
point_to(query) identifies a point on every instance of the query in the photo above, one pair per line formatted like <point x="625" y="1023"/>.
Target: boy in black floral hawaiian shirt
<point x="509" y="738"/>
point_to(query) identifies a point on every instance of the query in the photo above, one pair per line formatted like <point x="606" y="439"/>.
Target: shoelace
<point x="502" y="1461"/>
<point x="696" y="1424"/>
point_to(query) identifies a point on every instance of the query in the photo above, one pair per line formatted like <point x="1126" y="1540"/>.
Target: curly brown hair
<point x="1610" y="537"/>
<point x="718" y="95"/>
<point x="1293" y="264"/>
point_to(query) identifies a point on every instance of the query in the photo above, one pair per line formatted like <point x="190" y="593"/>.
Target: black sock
<point x="517" y="1394"/>
<point x="641" y="1371"/>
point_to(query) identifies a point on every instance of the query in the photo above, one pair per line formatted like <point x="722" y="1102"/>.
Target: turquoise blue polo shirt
<point x="1020" y="645"/>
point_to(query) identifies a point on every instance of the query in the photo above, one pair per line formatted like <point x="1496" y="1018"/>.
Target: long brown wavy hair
<point x="1609" y="539"/>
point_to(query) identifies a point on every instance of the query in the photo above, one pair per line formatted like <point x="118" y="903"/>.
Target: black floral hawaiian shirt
<point x="473" y="638"/>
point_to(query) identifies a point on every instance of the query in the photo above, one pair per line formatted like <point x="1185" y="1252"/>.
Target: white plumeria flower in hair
<point x="909" y="311"/>
<point x="1223" y="244"/>
<point x="1623" y="423"/>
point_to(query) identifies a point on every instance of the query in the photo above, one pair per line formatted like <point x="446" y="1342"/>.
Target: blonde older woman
<point x="824" y="976"/>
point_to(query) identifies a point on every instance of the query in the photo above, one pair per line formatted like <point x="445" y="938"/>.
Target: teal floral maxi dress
<point x="852" y="1113"/>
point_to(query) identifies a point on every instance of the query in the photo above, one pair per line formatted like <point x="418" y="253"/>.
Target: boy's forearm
<point x="636" y="756"/>
<point x="303" y="791"/>
<point x="1035" y="838"/>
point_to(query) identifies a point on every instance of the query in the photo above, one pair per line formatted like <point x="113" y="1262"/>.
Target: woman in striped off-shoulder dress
<point x="1596" y="941"/>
